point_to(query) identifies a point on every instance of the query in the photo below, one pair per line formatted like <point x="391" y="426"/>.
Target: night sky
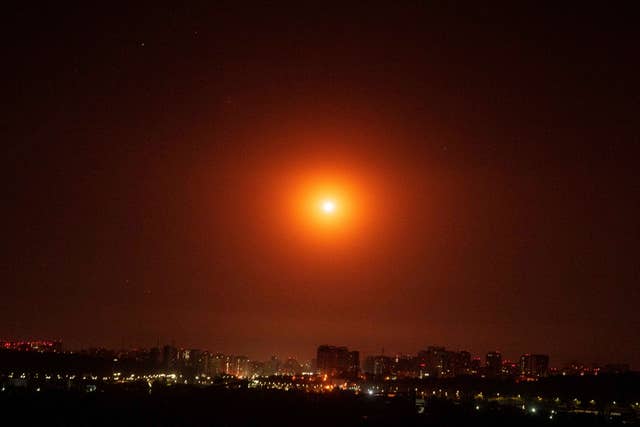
<point x="153" y="159"/>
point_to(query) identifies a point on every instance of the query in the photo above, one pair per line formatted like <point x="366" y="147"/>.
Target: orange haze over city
<point x="262" y="180"/>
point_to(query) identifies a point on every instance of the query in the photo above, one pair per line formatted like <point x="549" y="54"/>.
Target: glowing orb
<point x="328" y="207"/>
<point x="325" y="207"/>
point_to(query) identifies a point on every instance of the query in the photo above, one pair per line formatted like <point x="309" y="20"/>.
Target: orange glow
<point x="326" y="206"/>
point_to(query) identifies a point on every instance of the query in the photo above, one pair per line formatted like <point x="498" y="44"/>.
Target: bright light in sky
<point x="328" y="206"/>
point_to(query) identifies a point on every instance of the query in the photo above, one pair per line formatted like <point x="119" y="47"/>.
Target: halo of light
<point x="328" y="206"/>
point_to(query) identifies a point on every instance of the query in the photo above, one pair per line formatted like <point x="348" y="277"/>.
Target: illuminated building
<point x="290" y="367"/>
<point x="405" y="366"/>
<point x="378" y="365"/>
<point x="217" y="364"/>
<point x="434" y="359"/>
<point x="238" y="366"/>
<point x="442" y="363"/>
<point x="169" y="358"/>
<point x="272" y="366"/>
<point x="534" y="365"/>
<point x="493" y="364"/>
<point x="459" y="363"/>
<point x="476" y="366"/>
<point x="337" y="361"/>
<point x="155" y="357"/>
<point x="198" y="361"/>
<point x="510" y="369"/>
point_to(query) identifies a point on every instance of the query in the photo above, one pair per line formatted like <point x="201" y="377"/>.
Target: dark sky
<point x="150" y="156"/>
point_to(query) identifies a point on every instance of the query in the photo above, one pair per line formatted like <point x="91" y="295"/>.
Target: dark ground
<point x="185" y="406"/>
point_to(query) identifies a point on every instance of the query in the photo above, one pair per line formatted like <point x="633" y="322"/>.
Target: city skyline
<point x="478" y="359"/>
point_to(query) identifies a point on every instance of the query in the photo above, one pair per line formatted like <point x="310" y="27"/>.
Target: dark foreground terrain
<point x="188" y="405"/>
